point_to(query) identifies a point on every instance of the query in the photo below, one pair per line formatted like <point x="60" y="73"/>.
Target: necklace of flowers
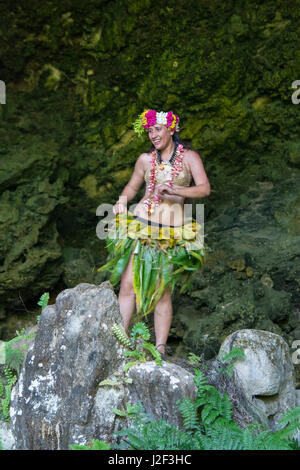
<point x="154" y="198"/>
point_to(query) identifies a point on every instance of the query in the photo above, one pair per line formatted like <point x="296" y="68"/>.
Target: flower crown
<point x="150" y="117"/>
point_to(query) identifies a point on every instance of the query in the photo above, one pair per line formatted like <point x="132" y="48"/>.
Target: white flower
<point x="161" y="118"/>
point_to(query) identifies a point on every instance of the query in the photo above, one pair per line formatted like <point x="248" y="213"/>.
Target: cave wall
<point x="78" y="73"/>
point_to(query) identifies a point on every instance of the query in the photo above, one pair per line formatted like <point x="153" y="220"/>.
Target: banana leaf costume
<point x="162" y="257"/>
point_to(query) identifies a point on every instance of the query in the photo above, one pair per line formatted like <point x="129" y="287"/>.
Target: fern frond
<point x="140" y="329"/>
<point x="155" y="353"/>
<point x="9" y="375"/>
<point x="222" y="437"/>
<point x="189" y="412"/>
<point x="43" y="302"/>
<point x="136" y="353"/>
<point x="14" y="358"/>
<point x="234" y="353"/>
<point x="193" y="359"/>
<point x="128" y="365"/>
<point x="120" y="333"/>
<point x="289" y="423"/>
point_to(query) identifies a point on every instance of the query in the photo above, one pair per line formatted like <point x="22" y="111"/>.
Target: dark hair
<point x="177" y="140"/>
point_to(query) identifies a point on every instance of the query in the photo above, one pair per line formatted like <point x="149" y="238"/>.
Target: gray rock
<point x="160" y="388"/>
<point x="6" y="436"/>
<point x="157" y="387"/>
<point x="244" y="411"/>
<point x="266" y="372"/>
<point x="73" y="351"/>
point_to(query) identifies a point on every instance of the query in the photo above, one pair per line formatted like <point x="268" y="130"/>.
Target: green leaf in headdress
<point x="137" y="126"/>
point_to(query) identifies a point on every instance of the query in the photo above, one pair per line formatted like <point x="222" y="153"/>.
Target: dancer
<point x="155" y="246"/>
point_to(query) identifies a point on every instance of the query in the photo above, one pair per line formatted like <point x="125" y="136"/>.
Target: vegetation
<point x="207" y="425"/>
<point x="11" y="363"/>
<point x="138" y="347"/>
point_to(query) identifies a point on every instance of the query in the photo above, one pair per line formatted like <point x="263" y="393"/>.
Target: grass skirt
<point x="162" y="256"/>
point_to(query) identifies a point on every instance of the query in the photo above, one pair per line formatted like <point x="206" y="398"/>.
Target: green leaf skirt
<point x="162" y="256"/>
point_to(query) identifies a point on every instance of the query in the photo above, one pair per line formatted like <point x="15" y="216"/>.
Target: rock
<point x="157" y="387"/>
<point x="73" y="351"/>
<point x="7" y="440"/>
<point x="266" y="372"/>
<point x="244" y="411"/>
<point x="160" y="388"/>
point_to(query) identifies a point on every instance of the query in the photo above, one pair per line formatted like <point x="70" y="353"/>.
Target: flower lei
<point x="154" y="198"/>
<point x="150" y="117"/>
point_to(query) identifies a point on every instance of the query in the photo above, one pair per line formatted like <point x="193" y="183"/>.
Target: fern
<point x="193" y="359"/>
<point x="215" y="405"/>
<point x="94" y="445"/>
<point x="189" y="412"/>
<point x="147" y="434"/>
<point x="289" y="423"/>
<point x="14" y="358"/>
<point x="137" y="345"/>
<point x="119" y="332"/>
<point x="229" y="358"/>
<point x="5" y="402"/>
<point x="10" y="370"/>
<point x="43" y="302"/>
<point x="155" y="353"/>
<point x="140" y="330"/>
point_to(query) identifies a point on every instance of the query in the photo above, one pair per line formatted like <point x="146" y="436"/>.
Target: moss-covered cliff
<point x="78" y="73"/>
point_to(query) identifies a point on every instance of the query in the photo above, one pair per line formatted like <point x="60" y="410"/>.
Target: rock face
<point x="266" y="372"/>
<point x="157" y="387"/>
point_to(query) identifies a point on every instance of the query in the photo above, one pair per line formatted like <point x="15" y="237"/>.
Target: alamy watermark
<point x="2" y="352"/>
<point x="2" y="92"/>
<point x="192" y="228"/>
<point x="295" y="99"/>
<point x="296" y="354"/>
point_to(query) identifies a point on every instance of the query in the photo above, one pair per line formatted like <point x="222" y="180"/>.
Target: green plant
<point x="43" y="302"/>
<point x="194" y="359"/>
<point x="208" y="425"/>
<point x="10" y="370"/>
<point x="137" y="345"/>
<point x="229" y="359"/>
<point x="93" y="445"/>
<point x="6" y="384"/>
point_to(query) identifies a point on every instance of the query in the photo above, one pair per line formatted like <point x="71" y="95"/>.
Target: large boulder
<point x="158" y="388"/>
<point x="74" y="350"/>
<point x="266" y="372"/>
